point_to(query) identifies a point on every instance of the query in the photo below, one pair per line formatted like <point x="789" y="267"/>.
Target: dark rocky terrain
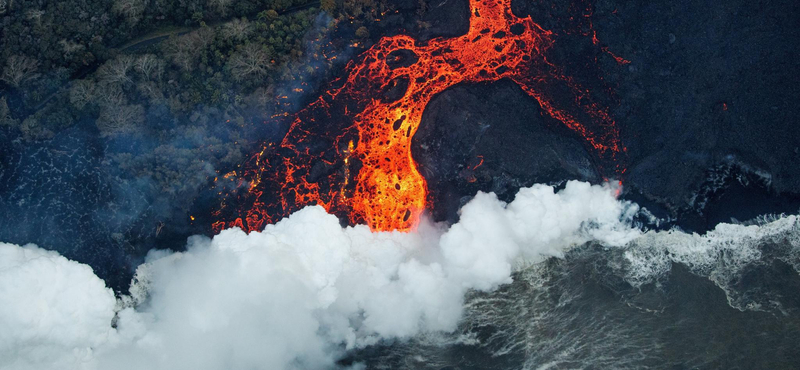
<point x="493" y="137"/>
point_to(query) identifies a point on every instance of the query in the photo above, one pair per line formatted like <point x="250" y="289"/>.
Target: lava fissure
<point x="350" y="150"/>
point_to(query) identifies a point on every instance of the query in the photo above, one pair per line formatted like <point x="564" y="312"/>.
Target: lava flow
<point x="350" y="150"/>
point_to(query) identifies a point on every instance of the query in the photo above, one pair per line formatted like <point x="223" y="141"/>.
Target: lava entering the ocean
<point x="350" y="150"/>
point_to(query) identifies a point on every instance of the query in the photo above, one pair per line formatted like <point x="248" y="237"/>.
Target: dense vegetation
<point x="177" y="90"/>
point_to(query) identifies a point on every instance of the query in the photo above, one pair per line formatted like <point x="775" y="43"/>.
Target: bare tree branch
<point x="132" y="10"/>
<point x="120" y="119"/>
<point x="149" y="66"/>
<point x="251" y="61"/>
<point x="81" y="93"/>
<point x="237" y="29"/>
<point x="19" y="69"/>
<point x="184" y="50"/>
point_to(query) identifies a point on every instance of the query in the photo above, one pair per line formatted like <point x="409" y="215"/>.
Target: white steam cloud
<point x="295" y="296"/>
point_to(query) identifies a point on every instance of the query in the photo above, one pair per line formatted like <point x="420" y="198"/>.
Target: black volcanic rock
<point x="492" y="137"/>
<point x="446" y="18"/>
<point x="709" y="83"/>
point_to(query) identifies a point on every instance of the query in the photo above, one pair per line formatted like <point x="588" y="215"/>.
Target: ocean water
<point x="670" y="300"/>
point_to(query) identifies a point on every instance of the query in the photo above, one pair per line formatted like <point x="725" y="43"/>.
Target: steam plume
<point x="295" y="296"/>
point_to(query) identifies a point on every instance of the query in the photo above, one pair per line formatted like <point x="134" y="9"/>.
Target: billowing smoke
<point x="297" y="295"/>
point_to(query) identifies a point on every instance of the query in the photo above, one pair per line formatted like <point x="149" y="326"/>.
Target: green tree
<point x="362" y="32"/>
<point x="328" y="5"/>
<point x="268" y="15"/>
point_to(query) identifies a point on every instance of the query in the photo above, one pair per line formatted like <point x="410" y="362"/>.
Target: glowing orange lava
<point x="350" y="150"/>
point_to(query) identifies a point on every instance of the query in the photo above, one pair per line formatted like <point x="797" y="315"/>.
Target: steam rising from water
<point x="301" y="293"/>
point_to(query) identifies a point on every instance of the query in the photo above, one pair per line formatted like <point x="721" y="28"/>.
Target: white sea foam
<point x="720" y="254"/>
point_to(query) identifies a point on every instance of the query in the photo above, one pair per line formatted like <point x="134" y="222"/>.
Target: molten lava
<point x="350" y="150"/>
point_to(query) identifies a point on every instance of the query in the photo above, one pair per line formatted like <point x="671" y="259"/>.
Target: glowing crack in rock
<point x="350" y="150"/>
